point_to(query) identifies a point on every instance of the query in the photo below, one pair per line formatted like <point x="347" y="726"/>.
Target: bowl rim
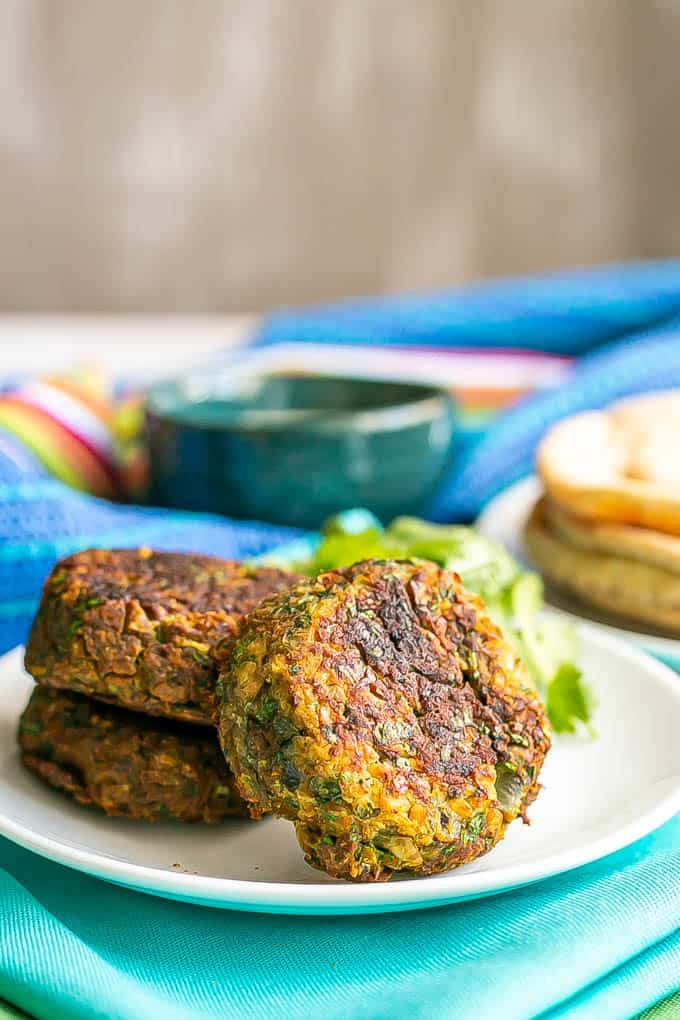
<point x="428" y="404"/>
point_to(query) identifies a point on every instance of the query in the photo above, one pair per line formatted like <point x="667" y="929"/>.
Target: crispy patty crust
<point x="126" y="764"/>
<point x="379" y="709"/>
<point x="143" y="629"/>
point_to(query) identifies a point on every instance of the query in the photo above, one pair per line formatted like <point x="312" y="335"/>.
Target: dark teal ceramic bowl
<point x="295" y="449"/>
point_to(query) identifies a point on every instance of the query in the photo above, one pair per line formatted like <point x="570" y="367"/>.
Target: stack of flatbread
<point x="607" y="528"/>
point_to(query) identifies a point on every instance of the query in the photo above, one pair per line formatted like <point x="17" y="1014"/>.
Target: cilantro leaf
<point x="568" y="699"/>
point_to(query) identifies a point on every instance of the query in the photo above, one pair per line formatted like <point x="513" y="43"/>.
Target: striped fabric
<point x="71" y="425"/>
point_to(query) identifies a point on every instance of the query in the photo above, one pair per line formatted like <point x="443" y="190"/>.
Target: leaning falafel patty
<point x="143" y="629"/>
<point x="379" y="708"/>
<point x="126" y="764"/>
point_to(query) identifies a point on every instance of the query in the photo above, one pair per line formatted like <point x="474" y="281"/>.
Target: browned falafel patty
<point x="380" y="709"/>
<point x="143" y="629"/>
<point x="126" y="764"/>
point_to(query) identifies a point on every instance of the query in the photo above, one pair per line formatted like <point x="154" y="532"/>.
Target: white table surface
<point x="139" y="347"/>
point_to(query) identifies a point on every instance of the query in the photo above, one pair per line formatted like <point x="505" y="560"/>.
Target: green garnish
<point x="519" y="739"/>
<point x="389" y="731"/>
<point x="473" y="828"/>
<point x="57" y="581"/>
<point x="265" y="712"/>
<point x="240" y="653"/>
<point x="325" y="789"/>
<point x="27" y="726"/>
<point x="284" y="728"/>
<point x="568" y="700"/>
<point x="200" y="656"/>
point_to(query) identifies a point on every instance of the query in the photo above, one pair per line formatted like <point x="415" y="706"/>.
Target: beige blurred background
<point x="232" y="155"/>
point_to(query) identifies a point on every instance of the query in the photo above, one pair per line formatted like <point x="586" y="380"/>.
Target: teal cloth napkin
<point x="600" y="943"/>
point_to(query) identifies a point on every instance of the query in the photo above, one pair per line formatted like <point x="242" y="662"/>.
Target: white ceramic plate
<point x="504" y="519"/>
<point x="258" y="866"/>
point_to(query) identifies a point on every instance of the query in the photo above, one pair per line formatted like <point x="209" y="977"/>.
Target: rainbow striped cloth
<point x="82" y="430"/>
<point x="88" y="432"/>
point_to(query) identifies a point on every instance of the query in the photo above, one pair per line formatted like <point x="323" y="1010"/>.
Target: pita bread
<point x="626" y="586"/>
<point x="621" y="540"/>
<point x="620" y="465"/>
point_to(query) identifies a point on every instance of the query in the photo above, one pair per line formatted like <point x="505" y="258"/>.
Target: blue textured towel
<point x="597" y="944"/>
<point x="600" y="942"/>
<point x="565" y="313"/>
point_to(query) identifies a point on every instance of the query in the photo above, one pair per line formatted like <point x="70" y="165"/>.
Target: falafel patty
<point x="380" y="709"/>
<point x="126" y="764"/>
<point x="143" y="629"/>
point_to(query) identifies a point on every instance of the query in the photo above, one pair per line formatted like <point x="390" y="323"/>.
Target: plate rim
<point x="523" y="493"/>
<point x="344" y="898"/>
